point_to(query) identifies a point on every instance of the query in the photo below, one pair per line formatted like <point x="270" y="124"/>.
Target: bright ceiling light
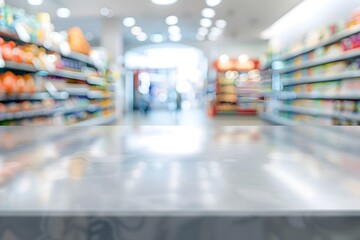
<point x="208" y="13"/>
<point x="142" y="37"/>
<point x="174" y="30"/>
<point x="205" y="22"/>
<point x="35" y="2"/>
<point x="175" y="37"/>
<point x="63" y="12"/>
<point x="224" y="58"/>
<point x="203" y="31"/>
<point x="106" y="12"/>
<point x="136" y="30"/>
<point x="213" y="3"/>
<point x="172" y="20"/>
<point x="129" y="22"/>
<point x="213" y="37"/>
<point x="164" y="2"/>
<point x="157" y="38"/>
<point x="244" y="58"/>
<point x="216" y="31"/>
<point x="221" y="23"/>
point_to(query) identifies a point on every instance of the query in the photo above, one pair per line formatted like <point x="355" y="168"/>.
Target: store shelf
<point x="40" y="113"/>
<point x="69" y="74"/>
<point x="317" y="79"/>
<point x="10" y="65"/>
<point x="321" y="61"/>
<point x="73" y="55"/>
<point x="277" y="120"/>
<point x="99" y="81"/>
<point x="97" y="121"/>
<point x="302" y="95"/>
<point x="319" y="113"/>
<point x="35" y="96"/>
<point x="334" y="39"/>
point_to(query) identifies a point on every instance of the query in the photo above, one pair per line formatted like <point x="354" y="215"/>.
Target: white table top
<point x="180" y="170"/>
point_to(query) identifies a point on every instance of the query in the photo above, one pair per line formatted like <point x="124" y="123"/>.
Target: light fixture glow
<point x="35" y="2"/>
<point x="106" y="12"/>
<point x="307" y="9"/>
<point x="172" y="20"/>
<point x="164" y="2"/>
<point x="174" y="30"/>
<point x="208" y="13"/>
<point x="157" y="38"/>
<point x="175" y="37"/>
<point x="205" y="22"/>
<point x="136" y="30"/>
<point x="216" y="31"/>
<point x="244" y="58"/>
<point x="221" y="23"/>
<point x="224" y="58"/>
<point x="213" y="37"/>
<point x="129" y="22"/>
<point x="203" y="31"/>
<point x="63" y="13"/>
<point x="213" y="3"/>
<point x="142" y="37"/>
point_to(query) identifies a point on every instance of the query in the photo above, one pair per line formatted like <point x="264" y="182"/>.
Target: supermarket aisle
<point x="189" y="117"/>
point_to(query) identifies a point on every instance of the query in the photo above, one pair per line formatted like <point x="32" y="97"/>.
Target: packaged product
<point x="78" y="42"/>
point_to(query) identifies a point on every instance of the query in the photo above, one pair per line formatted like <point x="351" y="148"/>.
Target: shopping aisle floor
<point x="190" y="117"/>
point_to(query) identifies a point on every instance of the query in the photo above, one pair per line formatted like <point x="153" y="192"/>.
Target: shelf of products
<point x="318" y="83"/>
<point x="237" y="87"/>
<point x="39" y="70"/>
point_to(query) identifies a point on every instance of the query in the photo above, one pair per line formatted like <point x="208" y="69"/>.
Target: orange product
<point x="78" y="42"/>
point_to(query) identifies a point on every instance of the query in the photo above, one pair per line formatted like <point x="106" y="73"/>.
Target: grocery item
<point x="78" y="42"/>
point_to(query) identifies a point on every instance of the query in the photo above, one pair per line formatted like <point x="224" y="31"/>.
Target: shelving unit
<point x="237" y="87"/>
<point x="42" y="85"/>
<point x="319" y="84"/>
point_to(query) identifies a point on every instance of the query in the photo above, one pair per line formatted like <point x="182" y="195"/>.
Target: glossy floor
<point x="180" y="170"/>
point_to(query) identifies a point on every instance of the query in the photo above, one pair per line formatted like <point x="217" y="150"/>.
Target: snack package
<point x="78" y="42"/>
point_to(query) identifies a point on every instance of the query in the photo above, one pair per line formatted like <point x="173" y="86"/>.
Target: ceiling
<point x="246" y="18"/>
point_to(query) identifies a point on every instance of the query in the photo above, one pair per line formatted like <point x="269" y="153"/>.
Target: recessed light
<point x="224" y="58"/>
<point x="213" y="3"/>
<point x="136" y="30"/>
<point x="174" y="30"/>
<point x="175" y="37"/>
<point x="203" y="31"/>
<point x="35" y="2"/>
<point x="212" y="37"/>
<point x="164" y="2"/>
<point x="157" y="38"/>
<point x="104" y="11"/>
<point x="244" y="58"/>
<point x="205" y="22"/>
<point x="221" y="23"/>
<point x="141" y="37"/>
<point x="63" y="12"/>
<point x="129" y="22"/>
<point x="172" y="20"/>
<point x="208" y="13"/>
<point x="216" y="31"/>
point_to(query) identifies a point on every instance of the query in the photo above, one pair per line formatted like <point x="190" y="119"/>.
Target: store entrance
<point x="167" y="78"/>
